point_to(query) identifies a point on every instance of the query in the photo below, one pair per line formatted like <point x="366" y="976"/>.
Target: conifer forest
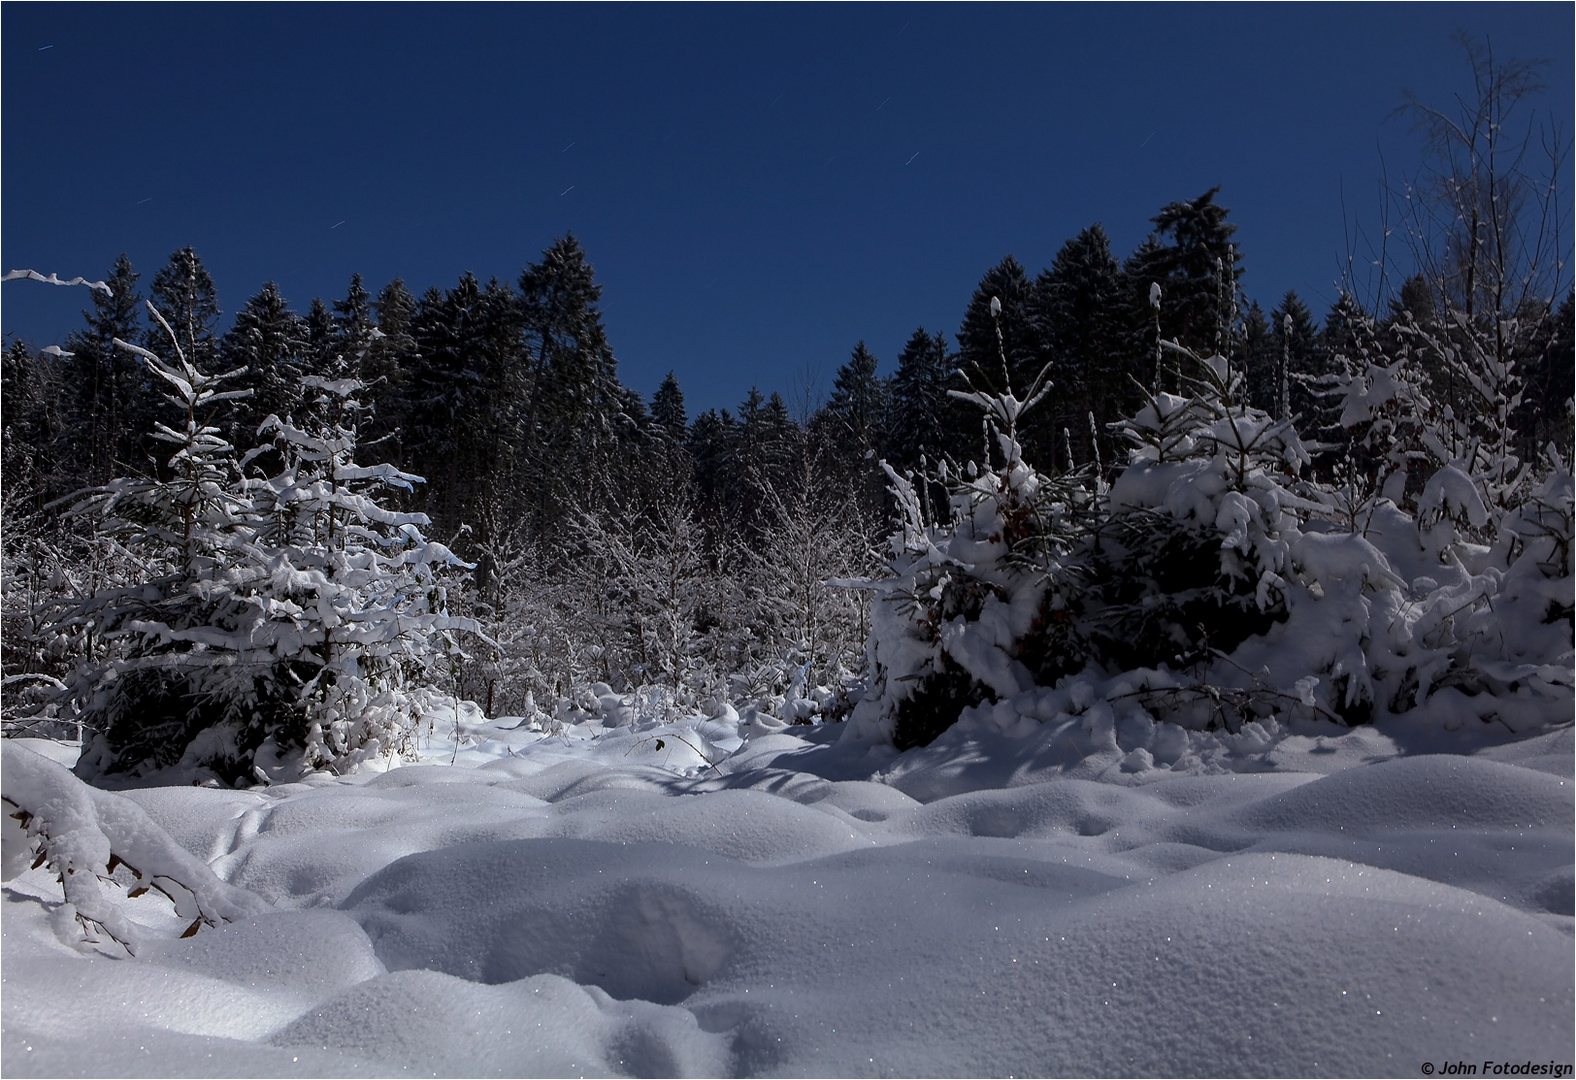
<point x="185" y="495"/>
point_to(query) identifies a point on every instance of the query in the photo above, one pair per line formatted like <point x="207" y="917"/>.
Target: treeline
<point x="506" y="396"/>
<point x="623" y="541"/>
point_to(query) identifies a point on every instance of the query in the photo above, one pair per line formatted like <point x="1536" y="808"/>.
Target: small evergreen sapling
<point x="186" y="529"/>
<point x="1191" y="557"/>
<point x="969" y="604"/>
<point x="355" y="595"/>
<point x="287" y="611"/>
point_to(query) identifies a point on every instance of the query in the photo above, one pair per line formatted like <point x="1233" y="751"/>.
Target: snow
<point x="86" y="828"/>
<point x="1046" y="894"/>
<point x="52" y="279"/>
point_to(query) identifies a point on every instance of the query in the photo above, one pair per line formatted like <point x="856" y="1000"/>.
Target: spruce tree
<point x="667" y="409"/>
<point x="1549" y="373"/>
<point x="34" y="448"/>
<point x="629" y="447"/>
<point x="1347" y="342"/>
<point x="495" y="442"/>
<point x="668" y="468"/>
<point x="1258" y="358"/>
<point x="925" y="421"/>
<point x="324" y="357"/>
<point x="1142" y="272"/>
<point x="569" y="381"/>
<point x="1301" y="361"/>
<point x="184" y="295"/>
<point x="979" y="351"/>
<point x="1412" y="308"/>
<point x="288" y="610"/>
<point x="184" y="526"/>
<point x="353" y="321"/>
<point x="852" y="428"/>
<point x="569" y="359"/>
<point x="782" y="440"/>
<point x="386" y="370"/>
<point x="109" y="400"/>
<point x="748" y="482"/>
<point x="458" y="404"/>
<point x="1190" y="268"/>
<point x="395" y="307"/>
<point x="858" y="400"/>
<point x="1078" y="314"/>
<point x="711" y="445"/>
<point x="766" y="452"/>
<point x="269" y="341"/>
<point x="1415" y="297"/>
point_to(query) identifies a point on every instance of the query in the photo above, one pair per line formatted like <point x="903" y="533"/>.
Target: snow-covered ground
<point x="1030" y="902"/>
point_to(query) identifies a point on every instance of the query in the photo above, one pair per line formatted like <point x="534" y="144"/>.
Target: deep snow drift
<point x="1036" y="901"/>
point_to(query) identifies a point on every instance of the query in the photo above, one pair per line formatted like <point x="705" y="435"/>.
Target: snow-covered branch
<point x="34" y="275"/>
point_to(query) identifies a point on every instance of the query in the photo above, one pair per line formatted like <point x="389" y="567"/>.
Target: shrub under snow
<point x="1212" y="585"/>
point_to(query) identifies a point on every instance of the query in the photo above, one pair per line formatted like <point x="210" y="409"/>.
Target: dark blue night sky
<point x="758" y="187"/>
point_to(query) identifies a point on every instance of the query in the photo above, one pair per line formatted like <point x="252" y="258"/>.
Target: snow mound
<point x="627" y="918"/>
<point x="1437" y="791"/>
<point x="1304" y="901"/>
<point x="543" y="1026"/>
